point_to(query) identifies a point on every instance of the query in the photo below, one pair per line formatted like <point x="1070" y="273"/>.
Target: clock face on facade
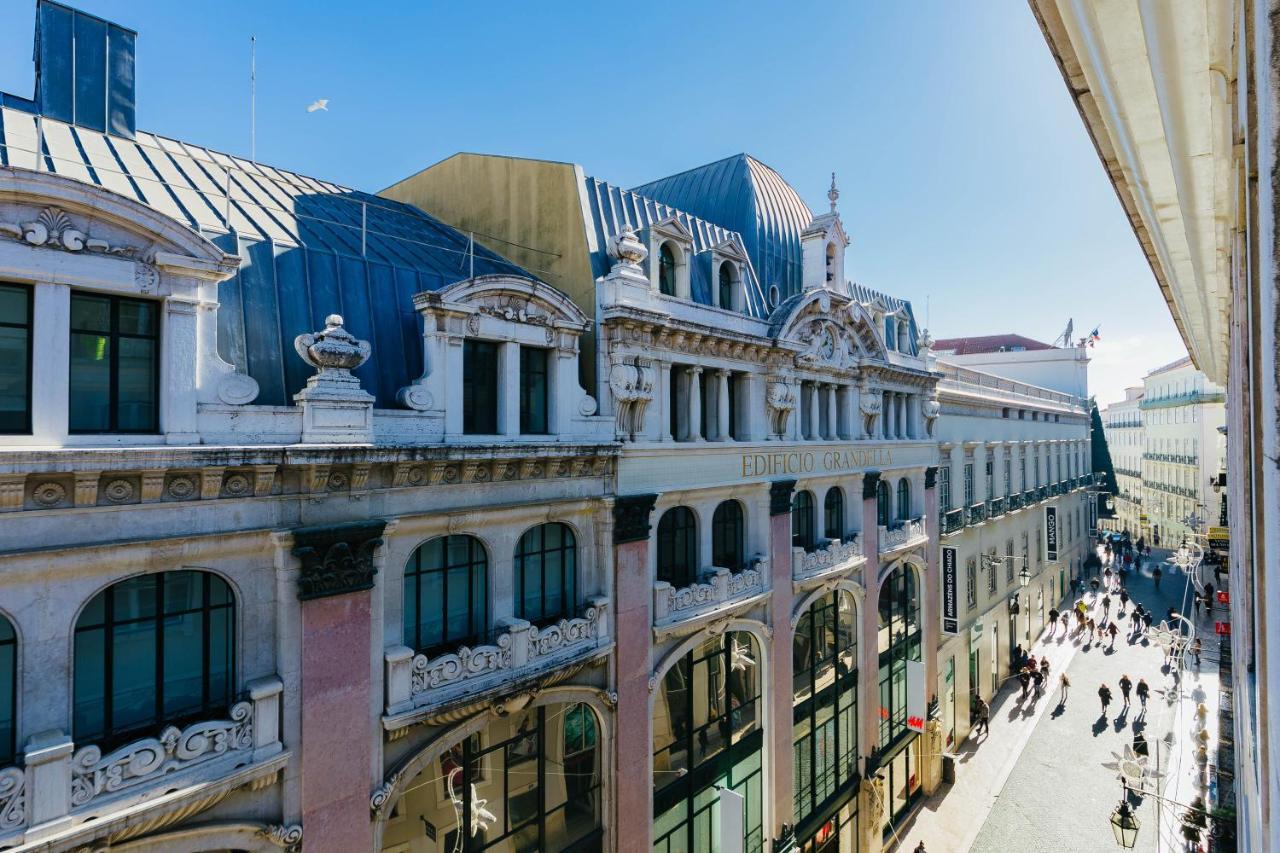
<point x="828" y="345"/>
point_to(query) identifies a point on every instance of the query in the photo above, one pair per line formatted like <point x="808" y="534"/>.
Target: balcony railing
<point x="1013" y="501"/>
<point x="906" y="533"/>
<point x="977" y="513"/>
<point x="830" y="558"/>
<point x="995" y="507"/>
<point x="417" y="682"/>
<point x="1042" y="493"/>
<point x="718" y="589"/>
<point x="69" y="788"/>
<point x="952" y="520"/>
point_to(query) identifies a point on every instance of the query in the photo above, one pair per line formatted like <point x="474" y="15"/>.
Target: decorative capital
<point x="288" y="838"/>
<point x="336" y="559"/>
<point x="931" y="476"/>
<point x="780" y="496"/>
<point x="870" y="482"/>
<point x="631" y="518"/>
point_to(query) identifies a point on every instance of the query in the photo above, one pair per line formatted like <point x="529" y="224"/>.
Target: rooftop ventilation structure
<point x="84" y="70"/>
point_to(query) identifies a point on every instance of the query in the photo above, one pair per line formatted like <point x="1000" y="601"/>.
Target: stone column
<point x="665" y="378"/>
<point x="335" y="577"/>
<point x="509" y="389"/>
<point x="815" y="412"/>
<point x="778" y="686"/>
<point x="633" y="621"/>
<point x="832" y="414"/>
<point x="722" y="405"/>
<point x="890" y="415"/>
<point x="695" y="403"/>
<point x="844" y="428"/>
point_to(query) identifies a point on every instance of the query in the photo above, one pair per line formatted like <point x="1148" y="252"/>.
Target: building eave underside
<point x="1170" y="164"/>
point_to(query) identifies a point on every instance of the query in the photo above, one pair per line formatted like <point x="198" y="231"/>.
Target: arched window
<point x="8" y="692"/>
<point x="152" y="650"/>
<point x="726" y="281"/>
<point x="532" y="780"/>
<point x="833" y="514"/>
<point x="904" y="499"/>
<point x="728" y="534"/>
<point x="546" y="567"/>
<point x="446" y="594"/>
<point x="899" y="641"/>
<point x="825" y="697"/>
<point x="678" y="547"/>
<point x="884" y="504"/>
<point x="802" y="520"/>
<point x="667" y="270"/>
<point x="831" y="262"/>
<point x="707" y="734"/>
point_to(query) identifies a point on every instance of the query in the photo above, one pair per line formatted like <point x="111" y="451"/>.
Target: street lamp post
<point x="1125" y="825"/>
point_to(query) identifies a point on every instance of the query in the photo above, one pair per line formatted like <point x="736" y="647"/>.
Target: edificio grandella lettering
<point x="807" y="461"/>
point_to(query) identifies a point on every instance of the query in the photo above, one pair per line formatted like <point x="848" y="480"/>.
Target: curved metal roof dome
<point x="747" y="196"/>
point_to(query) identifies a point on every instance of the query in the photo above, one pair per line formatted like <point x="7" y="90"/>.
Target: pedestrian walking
<point x="920" y="848"/>
<point x="1124" y="600"/>
<point x="1104" y="695"/>
<point x="1090" y="624"/>
<point x="1053" y="620"/>
<point x="1126" y="684"/>
<point x="1208" y="599"/>
<point x="1024" y="678"/>
<point x="1106" y="605"/>
<point x="1038" y="680"/>
<point x="1044" y="668"/>
<point x="1147" y="619"/>
<point x="984" y="717"/>
<point x="1093" y="584"/>
<point x="1155" y="576"/>
<point x="1196" y="603"/>
<point x="1196" y="648"/>
<point x="1018" y="654"/>
<point x="1066" y="685"/>
<point x="1112" y="630"/>
<point x="1143" y="690"/>
<point x="1064" y="623"/>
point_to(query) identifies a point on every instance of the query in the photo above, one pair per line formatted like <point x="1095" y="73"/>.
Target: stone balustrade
<point x="834" y="556"/>
<point x="718" y="589"/>
<point x="418" y="682"/>
<point x="905" y="534"/>
<point x="61" y="788"/>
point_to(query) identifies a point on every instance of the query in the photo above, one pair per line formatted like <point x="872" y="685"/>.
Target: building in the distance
<point x="1169" y="453"/>
<point x="1012" y="498"/>
<point x="1126" y="442"/>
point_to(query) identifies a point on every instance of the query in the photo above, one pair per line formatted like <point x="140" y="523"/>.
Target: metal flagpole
<point x="253" y="98"/>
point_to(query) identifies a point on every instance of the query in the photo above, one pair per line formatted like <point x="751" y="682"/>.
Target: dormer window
<point x="729" y="286"/>
<point x="115" y="364"/>
<point x="831" y="262"/>
<point x="667" y="270"/>
<point x="904" y="336"/>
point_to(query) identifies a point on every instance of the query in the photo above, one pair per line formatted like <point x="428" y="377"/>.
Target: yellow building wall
<point x="529" y="211"/>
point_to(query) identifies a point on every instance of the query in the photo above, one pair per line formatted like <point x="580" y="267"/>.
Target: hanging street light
<point x="1125" y="825"/>
<point x="1024" y="576"/>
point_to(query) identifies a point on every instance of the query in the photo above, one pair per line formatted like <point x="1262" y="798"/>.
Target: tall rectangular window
<point x="115" y="364"/>
<point x="1022" y="472"/>
<point x="1008" y="476"/>
<point x="533" y="391"/>
<point x="968" y="484"/>
<point x="971" y="583"/>
<point x="15" y="358"/>
<point x="944" y="488"/>
<point x="479" y="388"/>
<point x="991" y="478"/>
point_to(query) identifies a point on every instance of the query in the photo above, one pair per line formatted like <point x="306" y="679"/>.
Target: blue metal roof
<point x="745" y="195"/>
<point x="612" y="207"/>
<point x="309" y="248"/>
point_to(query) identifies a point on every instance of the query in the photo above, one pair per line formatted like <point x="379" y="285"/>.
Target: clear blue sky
<point x="965" y="172"/>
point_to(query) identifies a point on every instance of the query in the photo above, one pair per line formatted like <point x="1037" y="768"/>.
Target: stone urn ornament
<point x="334" y="349"/>
<point x="336" y="410"/>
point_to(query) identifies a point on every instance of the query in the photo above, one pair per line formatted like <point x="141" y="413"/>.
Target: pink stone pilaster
<point x="778" y="684"/>
<point x="335" y="752"/>
<point x="869" y="663"/>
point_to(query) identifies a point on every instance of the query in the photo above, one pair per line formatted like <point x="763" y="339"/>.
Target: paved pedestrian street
<point x="1046" y="777"/>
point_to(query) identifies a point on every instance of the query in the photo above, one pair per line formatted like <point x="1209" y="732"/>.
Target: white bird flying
<point x="322" y="104"/>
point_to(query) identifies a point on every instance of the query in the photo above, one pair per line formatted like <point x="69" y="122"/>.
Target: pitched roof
<point x="988" y="343"/>
<point x="308" y="247"/>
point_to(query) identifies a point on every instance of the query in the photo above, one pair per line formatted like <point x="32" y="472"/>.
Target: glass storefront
<point x="530" y="782"/>
<point x="837" y="835"/>
<point x="706" y="735"/>
<point x="901" y="783"/>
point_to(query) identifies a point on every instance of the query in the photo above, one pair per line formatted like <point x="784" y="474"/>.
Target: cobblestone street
<point x="1041" y="781"/>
